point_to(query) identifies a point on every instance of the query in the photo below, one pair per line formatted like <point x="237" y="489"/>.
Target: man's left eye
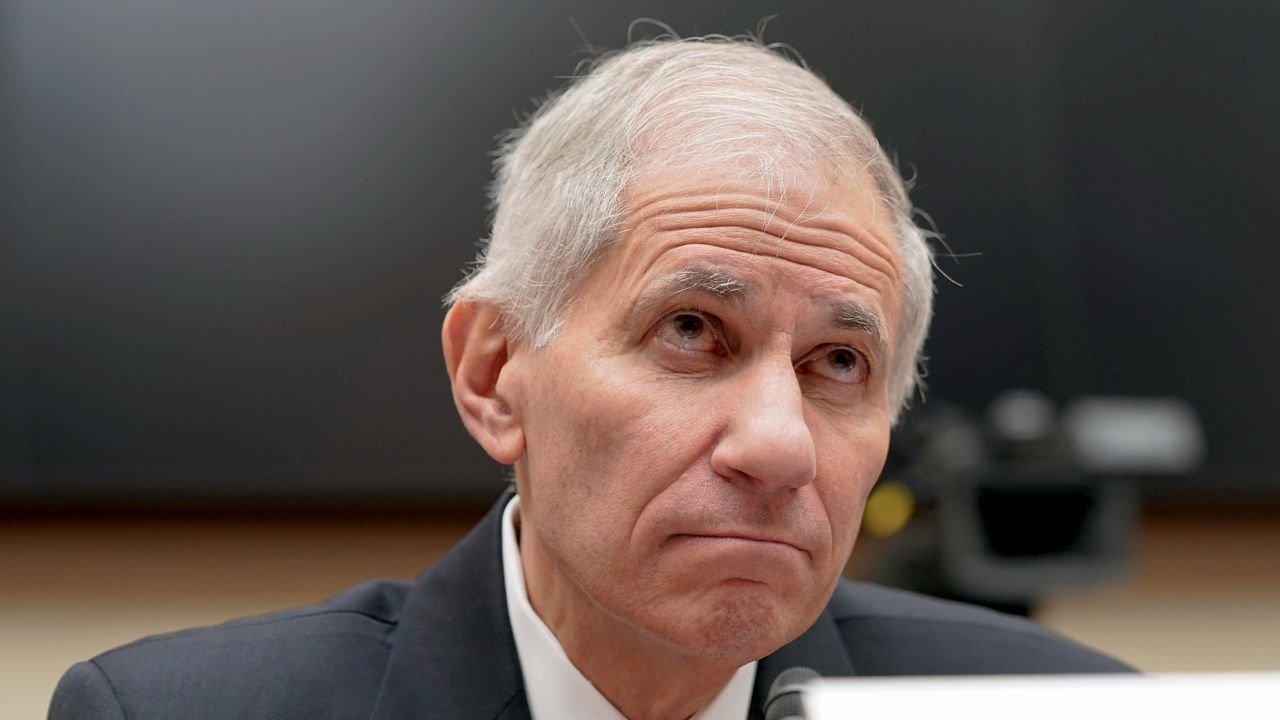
<point x="839" y="363"/>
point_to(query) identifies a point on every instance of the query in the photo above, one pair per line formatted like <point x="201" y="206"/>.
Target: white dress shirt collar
<point x="557" y="689"/>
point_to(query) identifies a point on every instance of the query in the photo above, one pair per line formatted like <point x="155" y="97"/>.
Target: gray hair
<point x="558" y="190"/>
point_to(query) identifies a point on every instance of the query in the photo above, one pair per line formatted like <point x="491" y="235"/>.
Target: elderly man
<point x="698" y="315"/>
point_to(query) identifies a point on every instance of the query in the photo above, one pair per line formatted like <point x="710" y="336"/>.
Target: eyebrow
<point x="860" y="319"/>
<point x="708" y="280"/>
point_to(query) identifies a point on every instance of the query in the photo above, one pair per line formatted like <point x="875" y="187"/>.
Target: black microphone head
<point x="783" y="700"/>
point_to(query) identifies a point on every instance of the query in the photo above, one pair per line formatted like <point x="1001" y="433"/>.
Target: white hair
<point x="558" y="190"/>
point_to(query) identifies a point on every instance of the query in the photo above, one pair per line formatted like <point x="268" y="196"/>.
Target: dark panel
<point x="228" y="225"/>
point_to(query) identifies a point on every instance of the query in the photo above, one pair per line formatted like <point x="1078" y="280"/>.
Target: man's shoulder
<point x="895" y="632"/>
<point x="322" y="660"/>
<point x="357" y="615"/>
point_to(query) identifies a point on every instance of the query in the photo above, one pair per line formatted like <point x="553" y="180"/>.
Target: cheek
<point x="851" y="465"/>
<point x="594" y="432"/>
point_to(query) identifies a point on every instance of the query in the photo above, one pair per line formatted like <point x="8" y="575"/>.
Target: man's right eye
<point x="690" y="330"/>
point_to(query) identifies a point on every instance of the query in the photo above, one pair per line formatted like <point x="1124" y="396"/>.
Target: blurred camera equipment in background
<point x="1029" y="500"/>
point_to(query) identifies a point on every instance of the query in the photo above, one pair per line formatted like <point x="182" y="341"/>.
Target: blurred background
<point x="225" y="229"/>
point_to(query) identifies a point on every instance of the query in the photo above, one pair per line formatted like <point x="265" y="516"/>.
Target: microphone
<point x="783" y="700"/>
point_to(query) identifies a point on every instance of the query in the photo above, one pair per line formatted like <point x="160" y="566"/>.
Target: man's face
<point x="701" y="435"/>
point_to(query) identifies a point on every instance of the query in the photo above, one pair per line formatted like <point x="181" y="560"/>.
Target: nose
<point x="767" y="441"/>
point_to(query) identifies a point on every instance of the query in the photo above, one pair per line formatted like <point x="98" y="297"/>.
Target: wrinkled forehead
<point x="843" y="228"/>
<point x="777" y="197"/>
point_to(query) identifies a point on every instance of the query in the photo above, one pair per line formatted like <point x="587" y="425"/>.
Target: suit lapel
<point x="452" y="654"/>
<point x="820" y="648"/>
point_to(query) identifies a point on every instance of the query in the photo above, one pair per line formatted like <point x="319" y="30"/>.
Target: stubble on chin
<point x="740" y="627"/>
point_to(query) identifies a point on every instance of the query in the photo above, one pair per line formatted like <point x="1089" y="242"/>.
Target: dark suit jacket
<point x="442" y="647"/>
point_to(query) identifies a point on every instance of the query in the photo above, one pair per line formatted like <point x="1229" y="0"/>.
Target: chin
<point x="743" y="625"/>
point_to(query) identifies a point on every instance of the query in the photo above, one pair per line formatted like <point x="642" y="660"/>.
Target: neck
<point x="644" y="677"/>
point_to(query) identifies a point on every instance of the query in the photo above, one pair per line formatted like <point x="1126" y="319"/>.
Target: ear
<point x="475" y="353"/>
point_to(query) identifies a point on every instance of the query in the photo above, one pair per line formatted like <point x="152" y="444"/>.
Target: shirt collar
<point x="557" y="689"/>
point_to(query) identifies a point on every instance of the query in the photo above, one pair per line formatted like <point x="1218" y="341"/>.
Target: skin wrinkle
<point x="800" y="218"/>
<point x="817" y="239"/>
<point x="643" y="206"/>
<point x="683" y="211"/>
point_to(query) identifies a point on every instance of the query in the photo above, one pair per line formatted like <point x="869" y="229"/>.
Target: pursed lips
<point x="743" y="537"/>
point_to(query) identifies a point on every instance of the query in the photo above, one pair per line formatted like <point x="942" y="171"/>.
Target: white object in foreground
<point x="1240" y="696"/>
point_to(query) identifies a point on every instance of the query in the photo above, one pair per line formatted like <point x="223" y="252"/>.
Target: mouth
<point x="762" y="542"/>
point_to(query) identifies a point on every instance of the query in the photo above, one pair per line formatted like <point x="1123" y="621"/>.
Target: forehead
<point x="833" y="238"/>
